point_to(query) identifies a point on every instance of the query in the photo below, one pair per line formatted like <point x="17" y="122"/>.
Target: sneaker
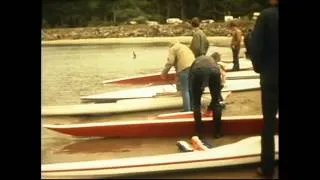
<point x="217" y="135"/>
<point x="184" y="146"/>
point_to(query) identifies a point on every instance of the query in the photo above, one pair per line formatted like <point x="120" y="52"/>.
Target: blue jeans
<point x="184" y="86"/>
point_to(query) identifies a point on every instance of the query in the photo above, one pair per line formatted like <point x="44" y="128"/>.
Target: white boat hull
<point x="243" y="152"/>
<point x="153" y="91"/>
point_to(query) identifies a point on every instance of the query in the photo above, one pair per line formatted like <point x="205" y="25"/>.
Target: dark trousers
<point x="269" y="95"/>
<point x="220" y="97"/>
<point x="235" y="55"/>
<point x="199" y="77"/>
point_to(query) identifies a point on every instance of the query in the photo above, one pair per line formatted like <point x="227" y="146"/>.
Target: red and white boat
<point x="178" y="115"/>
<point x="160" y="127"/>
<point x="154" y="78"/>
<point x="155" y="91"/>
<point x="245" y="151"/>
<point x="121" y="106"/>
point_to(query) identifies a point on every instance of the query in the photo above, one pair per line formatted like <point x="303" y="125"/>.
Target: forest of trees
<point x="82" y="13"/>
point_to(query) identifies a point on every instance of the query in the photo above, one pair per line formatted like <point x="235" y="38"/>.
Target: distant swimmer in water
<point x="134" y="55"/>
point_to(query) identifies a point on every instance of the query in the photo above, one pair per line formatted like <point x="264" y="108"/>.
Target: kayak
<point x="245" y="151"/>
<point x="160" y="127"/>
<point x="154" y="91"/>
<point x="154" y="78"/>
<point x="121" y="106"/>
<point x="178" y="115"/>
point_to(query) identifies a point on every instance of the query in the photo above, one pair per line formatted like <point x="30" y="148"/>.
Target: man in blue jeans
<point x="181" y="57"/>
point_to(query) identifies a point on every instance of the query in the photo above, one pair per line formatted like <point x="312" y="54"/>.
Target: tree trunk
<point x="169" y="8"/>
<point x="114" y="17"/>
<point x="114" y="11"/>
<point x="158" y="6"/>
<point x="183" y="9"/>
<point x="202" y="7"/>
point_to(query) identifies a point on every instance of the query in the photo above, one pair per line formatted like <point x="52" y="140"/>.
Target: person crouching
<point x="180" y="57"/>
<point x="204" y="70"/>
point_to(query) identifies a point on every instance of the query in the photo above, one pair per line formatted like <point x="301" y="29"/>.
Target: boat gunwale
<point x="153" y="121"/>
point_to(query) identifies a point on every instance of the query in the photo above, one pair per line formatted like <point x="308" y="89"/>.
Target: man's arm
<point x="170" y="62"/>
<point x="195" y="44"/>
<point x="257" y="43"/>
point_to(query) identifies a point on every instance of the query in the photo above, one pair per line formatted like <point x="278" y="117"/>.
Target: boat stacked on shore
<point x="160" y="95"/>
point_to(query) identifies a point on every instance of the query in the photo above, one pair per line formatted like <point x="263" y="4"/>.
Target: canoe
<point x="153" y="91"/>
<point x="160" y="127"/>
<point x="179" y="115"/>
<point x="154" y="78"/>
<point x="121" y="106"/>
<point x="133" y="93"/>
<point x="246" y="151"/>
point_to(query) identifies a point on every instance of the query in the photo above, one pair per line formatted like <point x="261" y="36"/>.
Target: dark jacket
<point x="265" y="43"/>
<point x="199" y="44"/>
<point x="204" y="62"/>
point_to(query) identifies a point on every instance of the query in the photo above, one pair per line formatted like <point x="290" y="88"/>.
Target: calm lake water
<point x="69" y="72"/>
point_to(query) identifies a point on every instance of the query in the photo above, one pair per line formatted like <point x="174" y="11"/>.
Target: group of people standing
<point x="195" y="71"/>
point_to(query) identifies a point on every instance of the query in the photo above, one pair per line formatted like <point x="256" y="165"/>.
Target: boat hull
<point x="160" y="90"/>
<point x="161" y="127"/>
<point x="246" y="151"/>
<point x="121" y="106"/>
<point x="154" y="78"/>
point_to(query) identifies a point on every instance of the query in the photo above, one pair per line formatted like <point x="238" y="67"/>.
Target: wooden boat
<point x="153" y="91"/>
<point x="160" y="127"/>
<point x="154" y="78"/>
<point x="121" y="106"/>
<point x="245" y="151"/>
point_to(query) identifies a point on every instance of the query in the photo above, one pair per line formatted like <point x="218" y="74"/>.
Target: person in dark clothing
<point x="246" y="40"/>
<point x="205" y="70"/>
<point x="235" y="45"/>
<point x="265" y="60"/>
<point x="199" y="43"/>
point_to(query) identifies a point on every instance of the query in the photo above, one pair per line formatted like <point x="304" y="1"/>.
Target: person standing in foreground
<point x="181" y="57"/>
<point x="205" y="70"/>
<point x="199" y="44"/>
<point x="235" y="45"/>
<point x="265" y="60"/>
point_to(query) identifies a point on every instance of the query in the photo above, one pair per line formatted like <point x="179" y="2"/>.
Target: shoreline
<point x="218" y="34"/>
<point x="221" y="41"/>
